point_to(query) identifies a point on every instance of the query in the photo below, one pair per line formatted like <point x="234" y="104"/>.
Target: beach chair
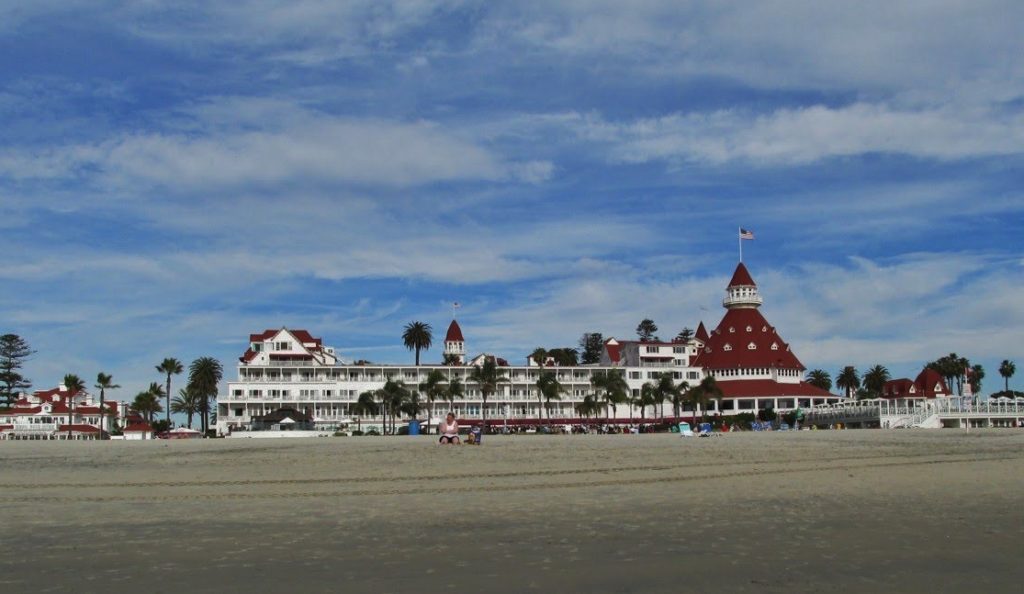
<point x="684" y="430"/>
<point x="705" y="429"/>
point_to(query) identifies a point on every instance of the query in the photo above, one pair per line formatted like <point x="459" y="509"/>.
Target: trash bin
<point x="414" y="427"/>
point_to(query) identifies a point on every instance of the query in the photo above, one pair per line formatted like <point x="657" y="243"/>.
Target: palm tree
<point x="648" y="397"/>
<point x="187" y="403"/>
<point x="550" y="388"/>
<point x="666" y="389"/>
<point x="147" y="403"/>
<point x="848" y="380"/>
<point x="74" y="386"/>
<point x="104" y="382"/>
<point x="1007" y="369"/>
<point x="417" y="336"/>
<point x="395" y="397"/>
<point x="974" y="378"/>
<point x="539" y="357"/>
<point x="366" y="405"/>
<point x="589" y="406"/>
<point x="169" y="366"/>
<point x="434" y="386"/>
<point x="456" y="389"/>
<point x="820" y="379"/>
<point x="875" y="378"/>
<point x="204" y="374"/>
<point x="703" y="393"/>
<point x="616" y="391"/>
<point x="487" y="377"/>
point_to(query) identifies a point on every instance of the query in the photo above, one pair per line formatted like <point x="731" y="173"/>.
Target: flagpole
<point x="739" y="238"/>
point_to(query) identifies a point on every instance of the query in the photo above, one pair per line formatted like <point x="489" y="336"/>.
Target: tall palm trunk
<point x="167" y="399"/>
<point x="101" y="412"/>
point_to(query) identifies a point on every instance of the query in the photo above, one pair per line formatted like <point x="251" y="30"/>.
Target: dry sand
<point x="866" y="511"/>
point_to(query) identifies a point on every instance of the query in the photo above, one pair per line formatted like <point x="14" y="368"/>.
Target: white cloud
<point x="239" y="142"/>
<point x="795" y="136"/>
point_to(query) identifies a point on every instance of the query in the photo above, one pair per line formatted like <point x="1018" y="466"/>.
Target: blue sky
<point x="175" y="175"/>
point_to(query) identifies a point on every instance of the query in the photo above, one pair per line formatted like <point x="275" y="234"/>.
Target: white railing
<point x="34" y="427"/>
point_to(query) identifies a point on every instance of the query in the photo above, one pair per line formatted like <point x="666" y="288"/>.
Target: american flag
<point x="456" y="305"/>
<point x="744" y="234"/>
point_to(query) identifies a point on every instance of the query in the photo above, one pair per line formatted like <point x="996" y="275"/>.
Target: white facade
<point x="57" y="414"/>
<point x="328" y="391"/>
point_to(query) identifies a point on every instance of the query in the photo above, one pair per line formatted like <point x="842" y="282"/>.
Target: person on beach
<point x="449" y="430"/>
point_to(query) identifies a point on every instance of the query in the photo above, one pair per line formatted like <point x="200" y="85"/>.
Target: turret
<point x="455" y="344"/>
<point x="742" y="291"/>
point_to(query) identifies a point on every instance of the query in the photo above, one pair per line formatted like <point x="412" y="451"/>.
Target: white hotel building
<point x="291" y="369"/>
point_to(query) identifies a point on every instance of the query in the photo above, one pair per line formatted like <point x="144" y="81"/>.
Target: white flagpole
<point x="739" y="238"/>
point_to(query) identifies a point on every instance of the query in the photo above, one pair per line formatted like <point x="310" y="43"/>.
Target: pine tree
<point x="14" y="351"/>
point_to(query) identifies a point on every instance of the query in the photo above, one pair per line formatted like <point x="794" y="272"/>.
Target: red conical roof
<point x="741" y="278"/>
<point x="702" y="333"/>
<point x="745" y="339"/>
<point x="454" y="333"/>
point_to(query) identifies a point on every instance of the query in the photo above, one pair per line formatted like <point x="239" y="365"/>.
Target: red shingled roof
<point x="741" y="278"/>
<point x="614" y="351"/>
<point x="454" y="333"/>
<point x="924" y="386"/>
<point x="765" y="387"/>
<point x="761" y="334"/>
<point x="79" y="428"/>
<point x="138" y="428"/>
<point x="266" y="335"/>
<point x="305" y="337"/>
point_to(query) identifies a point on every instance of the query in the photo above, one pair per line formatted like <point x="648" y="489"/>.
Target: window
<point x="651" y="349"/>
<point x="692" y="375"/>
<point x="749" y="329"/>
<point x="731" y="330"/>
<point x="236" y="392"/>
<point x="775" y="346"/>
<point x="751" y="347"/>
<point x="678" y="350"/>
<point x="634" y="375"/>
<point x="727" y="347"/>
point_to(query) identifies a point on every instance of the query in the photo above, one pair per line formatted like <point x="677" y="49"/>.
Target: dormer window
<point x="727" y="347"/>
<point x="751" y="347"/>
<point x="775" y="346"/>
<point x="749" y="329"/>
<point x="764" y="328"/>
<point x="731" y="330"/>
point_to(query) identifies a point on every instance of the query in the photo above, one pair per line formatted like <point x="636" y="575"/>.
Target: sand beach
<point x="867" y="511"/>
